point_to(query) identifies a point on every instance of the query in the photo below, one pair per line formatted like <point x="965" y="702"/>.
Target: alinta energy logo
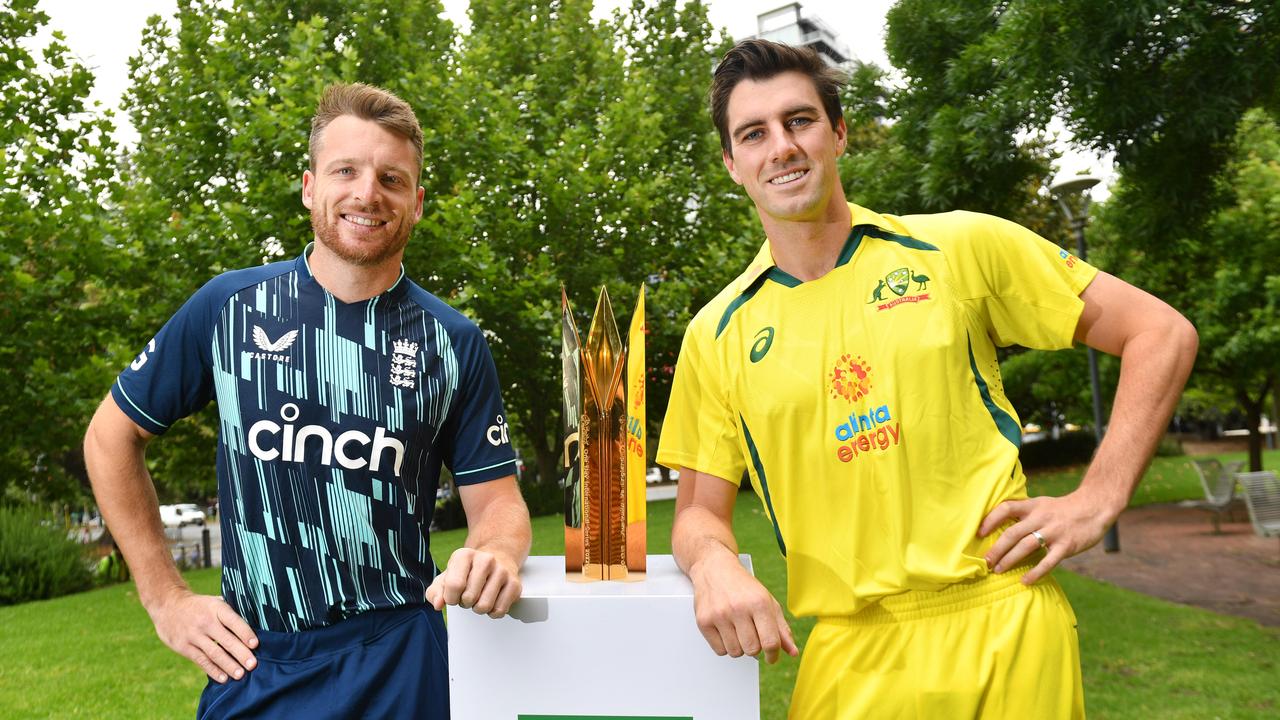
<point x="872" y="431"/>
<point x="899" y="282"/>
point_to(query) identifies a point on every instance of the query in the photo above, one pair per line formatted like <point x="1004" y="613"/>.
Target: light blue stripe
<point x="135" y="405"/>
<point x="490" y="467"/>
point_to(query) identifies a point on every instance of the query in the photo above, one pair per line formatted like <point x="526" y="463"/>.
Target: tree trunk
<point x="1273" y="440"/>
<point x="1252" y="418"/>
<point x="546" y="451"/>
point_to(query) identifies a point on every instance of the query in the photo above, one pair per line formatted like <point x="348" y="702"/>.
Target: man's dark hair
<point x="761" y="60"/>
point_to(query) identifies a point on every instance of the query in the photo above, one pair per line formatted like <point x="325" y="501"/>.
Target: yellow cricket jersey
<point x="867" y="405"/>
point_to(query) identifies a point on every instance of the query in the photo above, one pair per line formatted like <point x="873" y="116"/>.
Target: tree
<point x="54" y="310"/>
<point x="941" y="136"/>
<point x="615" y="183"/>
<point x="1162" y="83"/>
<point x="1225" y="277"/>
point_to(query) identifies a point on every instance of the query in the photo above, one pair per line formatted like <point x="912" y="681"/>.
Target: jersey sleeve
<point x="475" y="440"/>
<point x="171" y="377"/>
<point x="701" y="430"/>
<point x="1027" y="288"/>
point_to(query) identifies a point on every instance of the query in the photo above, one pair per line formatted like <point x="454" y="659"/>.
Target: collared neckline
<point x="303" y="266"/>
<point x="764" y="262"/>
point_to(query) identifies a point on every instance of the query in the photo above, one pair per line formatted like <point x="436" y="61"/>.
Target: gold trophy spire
<point x="603" y="437"/>
<point x="603" y="536"/>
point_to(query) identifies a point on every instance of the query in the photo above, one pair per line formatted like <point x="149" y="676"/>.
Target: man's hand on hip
<point x="735" y="613"/>
<point x="485" y="582"/>
<point x="205" y="630"/>
<point x="1063" y="526"/>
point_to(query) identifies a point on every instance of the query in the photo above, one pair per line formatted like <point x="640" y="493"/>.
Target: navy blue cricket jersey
<point x="334" y="421"/>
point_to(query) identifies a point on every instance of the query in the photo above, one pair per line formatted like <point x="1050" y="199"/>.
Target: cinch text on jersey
<point x="292" y="443"/>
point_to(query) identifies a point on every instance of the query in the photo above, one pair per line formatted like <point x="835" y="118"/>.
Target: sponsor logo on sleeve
<point x="143" y="357"/>
<point x="498" y="433"/>
<point x="1068" y="258"/>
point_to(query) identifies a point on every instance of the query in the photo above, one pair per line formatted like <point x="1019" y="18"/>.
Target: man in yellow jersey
<point x="851" y="371"/>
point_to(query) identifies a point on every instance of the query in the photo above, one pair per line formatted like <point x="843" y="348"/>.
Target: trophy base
<point x="599" y="571"/>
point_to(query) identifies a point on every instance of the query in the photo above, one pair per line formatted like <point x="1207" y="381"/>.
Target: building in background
<point x="789" y="24"/>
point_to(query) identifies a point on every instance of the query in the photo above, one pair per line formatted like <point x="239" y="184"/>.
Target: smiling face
<point x="363" y="195"/>
<point x="783" y="148"/>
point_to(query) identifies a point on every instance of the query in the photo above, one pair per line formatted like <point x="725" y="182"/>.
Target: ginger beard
<point x="329" y="234"/>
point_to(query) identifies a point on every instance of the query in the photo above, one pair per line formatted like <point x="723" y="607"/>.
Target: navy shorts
<point x="379" y="664"/>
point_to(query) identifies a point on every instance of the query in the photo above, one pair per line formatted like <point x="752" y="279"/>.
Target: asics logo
<point x="289" y="443"/>
<point x="764" y="340"/>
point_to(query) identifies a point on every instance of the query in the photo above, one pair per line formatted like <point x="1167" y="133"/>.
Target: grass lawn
<point x="96" y="655"/>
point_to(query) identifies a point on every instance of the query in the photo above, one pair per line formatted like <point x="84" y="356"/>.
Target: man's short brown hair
<point x="761" y="60"/>
<point x="367" y="103"/>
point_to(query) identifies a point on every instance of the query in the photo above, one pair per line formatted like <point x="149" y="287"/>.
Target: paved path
<point x="1172" y="553"/>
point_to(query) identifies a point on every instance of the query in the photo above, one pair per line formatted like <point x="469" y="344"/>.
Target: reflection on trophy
<point x="604" y="448"/>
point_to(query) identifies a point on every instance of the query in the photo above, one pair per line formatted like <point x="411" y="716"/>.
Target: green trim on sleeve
<point x="1004" y="422"/>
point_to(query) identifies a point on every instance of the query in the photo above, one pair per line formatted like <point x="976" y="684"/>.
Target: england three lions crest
<point x="404" y="364"/>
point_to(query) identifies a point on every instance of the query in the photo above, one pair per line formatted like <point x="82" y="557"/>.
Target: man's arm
<point x="1157" y="347"/>
<point x="484" y="575"/>
<point x="202" y="628"/>
<point x="735" y="613"/>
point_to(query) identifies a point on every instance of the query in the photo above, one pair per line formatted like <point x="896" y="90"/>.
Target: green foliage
<point x="37" y="560"/>
<point x="55" y="314"/>
<point x="1049" y="387"/>
<point x="1222" y="276"/>
<point x="614" y="183"/>
<point x="940" y="136"/>
<point x="1163" y="83"/>
<point x="1170" y="447"/>
<point x="448" y="514"/>
<point x="1071" y="448"/>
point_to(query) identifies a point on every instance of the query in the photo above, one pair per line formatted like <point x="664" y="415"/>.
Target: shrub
<point x="1071" y="448"/>
<point x="543" y="498"/>
<point x="1169" y="446"/>
<point x="448" y="514"/>
<point x="37" y="560"/>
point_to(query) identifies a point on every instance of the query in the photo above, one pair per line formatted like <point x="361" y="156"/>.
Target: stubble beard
<point x="327" y="234"/>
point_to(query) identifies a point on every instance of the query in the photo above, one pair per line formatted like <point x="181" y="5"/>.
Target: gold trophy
<point x="604" y="449"/>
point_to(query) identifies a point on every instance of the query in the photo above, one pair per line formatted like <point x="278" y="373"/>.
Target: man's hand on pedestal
<point x="485" y="582"/>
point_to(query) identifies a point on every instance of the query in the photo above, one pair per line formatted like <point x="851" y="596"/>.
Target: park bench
<point x="1219" y="484"/>
<point x="1262" y="497"/>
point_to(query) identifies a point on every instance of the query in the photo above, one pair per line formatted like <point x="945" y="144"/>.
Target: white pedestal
<point x="596" y="650"/>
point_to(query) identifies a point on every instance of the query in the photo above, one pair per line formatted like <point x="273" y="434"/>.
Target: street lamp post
<point x="1061" y="191"/>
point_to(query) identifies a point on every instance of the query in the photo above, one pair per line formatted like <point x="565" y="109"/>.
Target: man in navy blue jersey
<point x="341" y="387"/>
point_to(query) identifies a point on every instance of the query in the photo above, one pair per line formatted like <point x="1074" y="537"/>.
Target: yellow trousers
<point x="984" y="648"/>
